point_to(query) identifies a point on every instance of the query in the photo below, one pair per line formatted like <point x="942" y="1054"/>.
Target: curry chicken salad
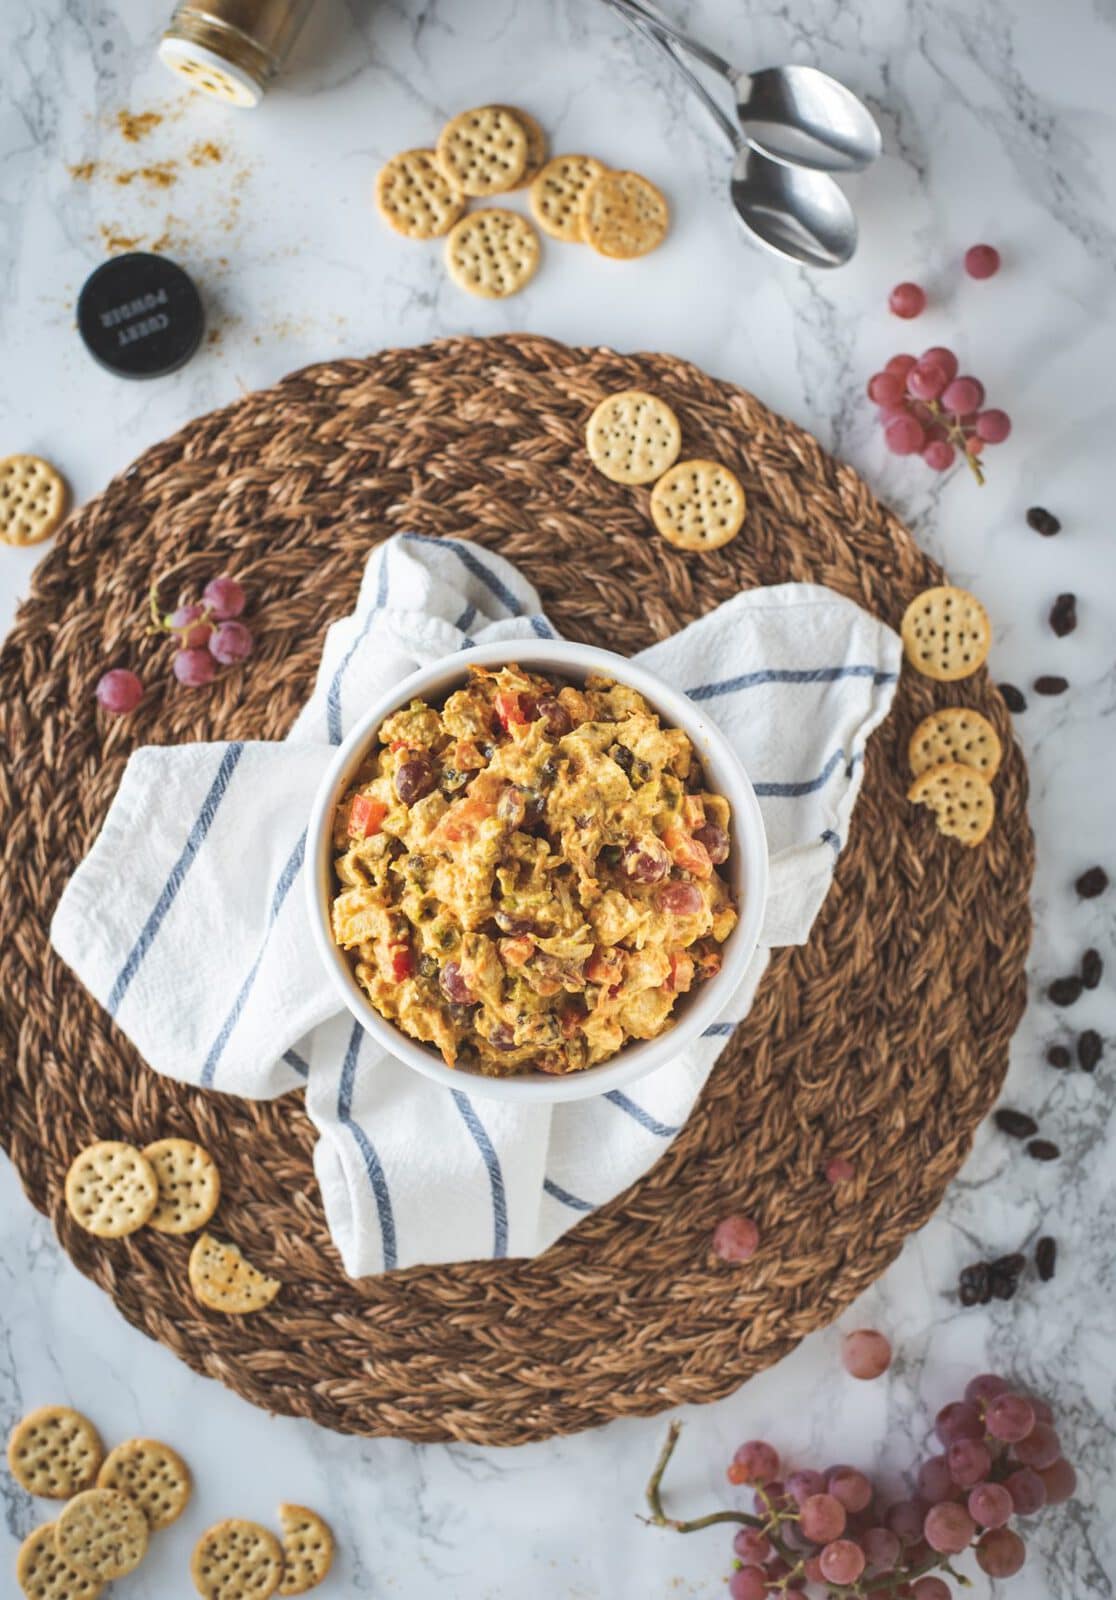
<point x="527" y="878"/>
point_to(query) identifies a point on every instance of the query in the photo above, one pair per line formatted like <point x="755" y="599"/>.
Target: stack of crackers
<point x="495" y="150"/>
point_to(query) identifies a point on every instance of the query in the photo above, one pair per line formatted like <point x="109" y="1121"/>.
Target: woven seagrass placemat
<point x="885" y="1039"/>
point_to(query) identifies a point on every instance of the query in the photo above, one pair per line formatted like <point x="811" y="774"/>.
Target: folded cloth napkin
<point x="187" y="919"/>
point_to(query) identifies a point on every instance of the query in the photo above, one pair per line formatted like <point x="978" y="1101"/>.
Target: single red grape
<point x="118" y="691"/>
<point x="755" y="1462"/>
<point x="973" y="445"/>
<point x="224" y="598"/>
<point x="1027" y="1490"/>
<point x="969" y="1462"/>
<point x="925" y="381"/>
<point x="1059" y="1481"/>
<point x="881" y="1548"/>
<point x="958" y="1420"/>
<point x="803" y="1483"/>
<point x="993" y="426"/>
<point x="886" y="388"/>
<point x="192" y="627"/>
<point x="904" y="436"/>
<point x="1001" y="1553"/>
<point x="1043" y="1410"/>
<point x="194" y="668"/>
<point x="905" y="1520"/>
<point x="900" y="364"/>
<point x="751" y="1546"/>
<point x="749" y="1583"/>
<point x="865" y="1353"/>
<point x="680" y="899"/>
<point x="851" y="1487"/>
<point x="1041" y="1447"/>
<point x="940" y="355"/>
<point x="939" y="455"/>
<point x="948" y="1527"/>
<point x="822" y="1518"/>
<point x="990" y="1505"/>
<point x="935" y="1482"/>
<point x="930" y="1588"/>
<point x="842" y="1561"/>
<point x="1009" y="1417"/>
<point x="963" y="394"/>
<point x="230" y="643"/>
<point x="982" y="261"/>
<point x="907" y="300"/>
<point x="736" y="1238"/>
<point x="984" y="1387"/>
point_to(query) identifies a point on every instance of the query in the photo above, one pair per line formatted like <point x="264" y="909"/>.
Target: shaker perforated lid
<point x="140" y="315"/>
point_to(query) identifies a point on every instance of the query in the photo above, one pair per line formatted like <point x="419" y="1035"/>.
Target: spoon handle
<point x="651" y="33"/>
<point x="652" y="17"/>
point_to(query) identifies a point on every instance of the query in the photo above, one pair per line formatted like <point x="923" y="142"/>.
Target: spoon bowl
<point x="795" y="212"/>
<point x="803" y="117"/>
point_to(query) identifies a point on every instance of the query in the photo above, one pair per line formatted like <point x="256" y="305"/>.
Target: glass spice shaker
<point x="232" y="48"/>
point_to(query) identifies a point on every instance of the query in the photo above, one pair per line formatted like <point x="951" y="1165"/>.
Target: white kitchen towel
<point x="187" y="919"/>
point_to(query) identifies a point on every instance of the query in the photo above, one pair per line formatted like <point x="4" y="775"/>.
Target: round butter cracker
<point x="307" y="1549"/>
<point x="698" y="505"/>
<point x="101" y="1533"/>
<point x="492" y="253"/>
<point x="54" y="1452"/>
<point x="623" y="215"/>
<point x="633" y="437"/>
<point x="43" y="1574"/>
<point x="155" y="1476"/>
<point x="962" y="801"/>
<point x="415" y="197"/>
<point x="236" y="1560"/>
<point x="484" y="151"/>
<point x="189" y="1185"/>
<point x="555" y="195"/>
<point x="536" y="154"/>
<point x="946" y="633"/>
<point x="110" y="1189"/>
<point x="32" y="499"/>
<point x="955" y="734"/>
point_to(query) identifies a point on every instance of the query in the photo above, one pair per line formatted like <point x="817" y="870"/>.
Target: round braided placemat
<point x="885" y="1039"/>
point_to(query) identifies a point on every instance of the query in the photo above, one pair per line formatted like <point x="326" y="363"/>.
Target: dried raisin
<point x="1092" y="882"/>
<point x="1012" y="697"/>
<point x="1043" y="521"/>
<point x="1092" y="968"/>
<point x="1046" y="1252"/>
<point x="1058" y="1056"/>
<point x="1090" y="1048"/>
<point x="1065" y="991"/>
<point x="1063" y="615"/>
<point x="1017" y="1124"/>
<point x="1050" y="684"/>
<point x="1043" y="1150"/>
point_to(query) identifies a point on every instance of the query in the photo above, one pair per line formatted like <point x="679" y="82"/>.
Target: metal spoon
<point x="797" y="115"/>
<point x="799" y="214"/>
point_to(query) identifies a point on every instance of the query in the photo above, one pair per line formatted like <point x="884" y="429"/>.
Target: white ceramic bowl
<point x="746" y="868"/>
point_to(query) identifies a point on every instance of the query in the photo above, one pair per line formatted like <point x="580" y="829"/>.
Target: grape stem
<point x="880" y="1584"/>
<point x="957" y="437"/>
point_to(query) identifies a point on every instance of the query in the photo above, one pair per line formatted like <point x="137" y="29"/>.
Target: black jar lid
<point x="140" y="315"/>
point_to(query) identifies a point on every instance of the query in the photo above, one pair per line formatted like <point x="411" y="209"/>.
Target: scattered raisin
<point x="1012" y="697"/>
<point x="1043" y="1150"/>
<point x="1090" y="1048"/>
<point x="1046" y="1252"/>
<point x="1050" y="684"/>
<point x="1092" y="968"/>
<point x="1043" y="521"/>
<point x="1004" y="1274"/>
<point x="1017" y="1124"/>
<point x="1058" y="1055"/>
<point x="1064" y="991"/>
<point x="1063" y="615"/>
<point x="1091" y="883"/>
<point x="975" y="1285"/>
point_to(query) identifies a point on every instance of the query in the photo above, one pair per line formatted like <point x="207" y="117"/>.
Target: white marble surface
<point x="999" y="124"/>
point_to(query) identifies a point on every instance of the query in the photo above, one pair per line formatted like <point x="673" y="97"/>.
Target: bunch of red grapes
<point x="1000" y="1459"/>
<point x="927" y="408"/>
<point x="207" y="633"/>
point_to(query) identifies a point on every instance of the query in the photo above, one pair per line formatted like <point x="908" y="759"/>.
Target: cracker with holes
<point x="32" y="499"/>
<point x="946" y="633"/>
<point x="307" y="1549"/>
<point x="484" y="151"/>
<point x="111" y="1190"/>
<point x="623" y="215"/>
<point x="224" y="1281"/>
<point x="236" y="1560"/>
<point x="555" y="195"/>
<point x="536" y="147"/>
<point x="415" y="197"/>
<point x="189" y="1185"/>
<point x="962" y="801"/>
<point x="54" y="1452"/>
<point x="955" y="734"/>
<point x="633" y="437"/>
<point x="43" y="1574"/>
<point x="698" y="505"/>
<point x="154" y="1475"/>
<point x="102" y="1533"/>
<point x="492" y="253"/>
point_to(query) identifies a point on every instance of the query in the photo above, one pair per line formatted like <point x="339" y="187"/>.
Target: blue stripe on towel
<point x="495" y="1177"/>
<point x="749" y="680"/>
<point x="368" y="1154"/>
<point x="541" y="627"/>
<point x="333" y="695"/>
<point x="471" y="564"/>
<point x="202" y="825"/>
<point x="791" y="791"/>
<point x="833" y="840"/>
<point x="282" y="889"/>
<point x="567" y="1199"/>
<point x="637" y="1113"/>
<point x="718" y="1030"/>
<point x="293" y="1059"/>
<point x="465" y="620"/>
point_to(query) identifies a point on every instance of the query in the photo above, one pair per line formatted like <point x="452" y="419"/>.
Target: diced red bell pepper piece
<point x="366" y="816"/>
<point x="513" y="708"/>
<point x="402" y="963"/>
